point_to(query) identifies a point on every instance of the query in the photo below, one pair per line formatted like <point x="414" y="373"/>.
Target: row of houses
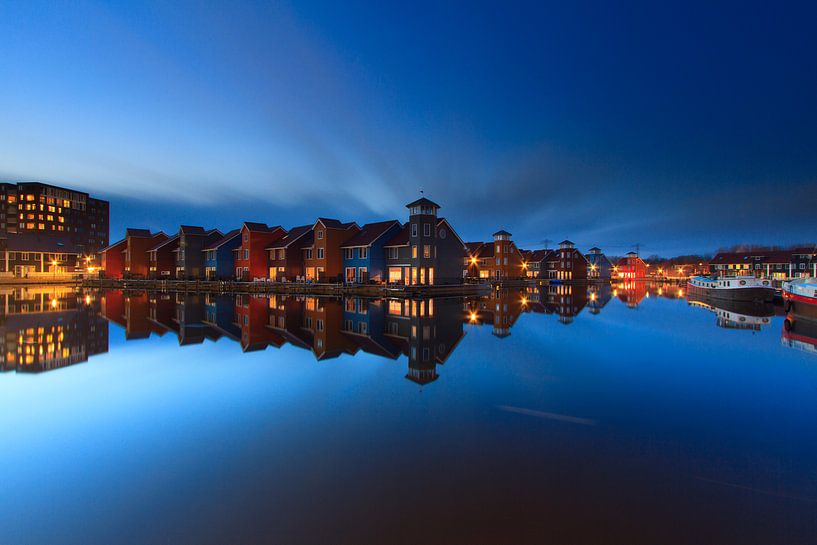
<point x="425" y="250"/>
<point x="774" y="264"/>
<point x="501" y="260"/>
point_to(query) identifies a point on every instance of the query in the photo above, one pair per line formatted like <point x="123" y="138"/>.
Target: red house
<point x="112" y="259"/>
<point x="252" y="259"/>
<point x="631" y="267"/>
<point x="139" y="242"/>
<point x="286" y="255"/>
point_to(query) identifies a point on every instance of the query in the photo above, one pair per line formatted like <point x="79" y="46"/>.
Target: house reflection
<point x="46" y="328"/>
<point x="500" y="309"/>
<point x="598" y="295"/>
<point x="425" y="331"/>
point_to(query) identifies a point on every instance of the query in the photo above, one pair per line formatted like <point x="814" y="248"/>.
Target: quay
<point x="301" y="288"/>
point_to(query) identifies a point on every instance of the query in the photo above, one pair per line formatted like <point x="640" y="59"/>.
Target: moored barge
<point x="735" y="288"/>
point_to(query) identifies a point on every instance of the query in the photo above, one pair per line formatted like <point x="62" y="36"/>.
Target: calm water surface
<point x="602" y="415"/>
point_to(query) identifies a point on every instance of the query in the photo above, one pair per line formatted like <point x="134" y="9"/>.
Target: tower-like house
<point x="434" y="250"/>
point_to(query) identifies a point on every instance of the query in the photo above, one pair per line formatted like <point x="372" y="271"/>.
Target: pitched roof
<point x="330" y="223"/>
<point x="453" y="232"/>
<point x="594" y="249"/>
<point x="171" y="240"/>
<point x="223" y="240"/>
<point x="473" y="248"/>
<point x="422" y="201"/>
<point x="370" y="233"/>
<point x="502" y="232"/>
<point x="112" y="246"/>
<point x="257" y="227"/>
<point x="565" y="241"/>
<point x="302" y="233"/>
<point x="400" y="239"/>
<point x="537" y="256"/>
<point x="131" y="232"/>
<point x="191" y="230"/>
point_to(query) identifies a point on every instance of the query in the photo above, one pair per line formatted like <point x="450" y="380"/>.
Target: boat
<point x="800" y="298"/>
<point x="732" y="288"/>
<point x="799" y="334"/>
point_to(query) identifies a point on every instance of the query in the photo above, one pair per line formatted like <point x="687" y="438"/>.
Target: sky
<point x="680" y="127"/>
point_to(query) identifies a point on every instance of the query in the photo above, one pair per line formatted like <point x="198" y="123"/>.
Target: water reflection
<point x="46" y="328"/>
<point x="52" y="327"/>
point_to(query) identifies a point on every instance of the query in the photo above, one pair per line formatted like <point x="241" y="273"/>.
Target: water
<point x="575" y="416"/>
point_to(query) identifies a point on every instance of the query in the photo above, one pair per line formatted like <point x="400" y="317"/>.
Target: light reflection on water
<point x="585" y="414"/>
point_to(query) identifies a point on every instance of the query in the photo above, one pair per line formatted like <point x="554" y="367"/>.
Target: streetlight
<point x="54" y="265"/>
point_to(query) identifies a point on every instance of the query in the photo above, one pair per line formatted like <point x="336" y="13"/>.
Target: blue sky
<point x="679" y="126"/>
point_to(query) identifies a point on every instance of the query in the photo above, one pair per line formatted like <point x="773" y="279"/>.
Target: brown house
<point x="112" y="259"/>
<point x="139" y="242"/>
<point x="162" y="258"/>
<point x="286" y="255"/>
<point x="495" y="261"/>
<point x="323" y="262"/>
<point x="567" y="264"/>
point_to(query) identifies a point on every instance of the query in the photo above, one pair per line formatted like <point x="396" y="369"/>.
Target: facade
<point x="536" y="263"/>
<point x="598" y="266"/>
<point x="631" y="267"/>
<point x="776" y="264"/>
<point x="252" y="257"/>
<point x="566" y="264"/>
<point x="31" y="255"/>
<point x="137" y="244"/>
<point x="287" y="254"/>
<point x="219" y="256"/>
<point x="162" y="259"/>
<point x="112" y="259"/>
<point x="496" y="261"/>
<point x="78" y="220"/>
<point x="427" y="251"/>
<point x="323" y="262"/>
<point x="364" y="255"/>
<point x="189" y="253"/>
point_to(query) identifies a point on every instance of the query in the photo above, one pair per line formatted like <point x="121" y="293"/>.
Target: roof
<point x="292" y="236"/>
<point x="453" y="232"/>
<point x="330" y="223"/>
<point x="171" y="240"/>
<point x="37" y="243"/>
<point x="473" y="248"/>
<point x="502" y="232"/>
<point x="191" y="230"/>
<point x="112" y="246"/>
<point x="565" y="241"/>
<point x="400" y="239"/>
<point x="260" y="227"/>
<point x="223" y="240"/>
<point x="422" y="201"/>
<point x="769" y="256"/>
<point x="131" y="232"/>
<point x="537" y="256"/>
<point x="594" y="249"/>
<point x="370" y="233"/>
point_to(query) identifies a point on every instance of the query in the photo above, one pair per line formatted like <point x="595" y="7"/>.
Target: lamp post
<point x="54" y="264"/>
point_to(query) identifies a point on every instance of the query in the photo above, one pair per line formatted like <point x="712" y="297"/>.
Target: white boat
<point x="732" y="288"/>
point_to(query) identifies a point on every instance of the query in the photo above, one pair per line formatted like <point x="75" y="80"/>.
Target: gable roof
<point x="131" y="232"/>
<point x="537" y="256"/>
<point x="110" y="246"/>
<point x="370" y="233"/>
<point x="473" y="248"/>
<point x="171" y="240"/>
<point x="330" y="223"/>
<point x="422" y="201"/>
<point x="191" y="230"/>
<point x="223" y="240"/>
<point x="294" y="234"/>
<point x="400" y="239"/>
<point x="257" y="227"/>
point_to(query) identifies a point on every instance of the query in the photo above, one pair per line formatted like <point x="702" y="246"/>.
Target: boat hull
<point x="800" y="306"/>
<point x="759" y="295"/>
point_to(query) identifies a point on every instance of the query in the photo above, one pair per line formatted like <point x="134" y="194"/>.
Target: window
<point x="414" y="229"/>
<point x="246" y="253"/>
<point x="427" y="229"/>
<point x="427" y="251"/>
<point x="320" y="253"/>
<point x="414" y="252"/>
<point x="246" y="237"/>
<point x="319" y="324"/>
<point x="393" y="253"/>
<point x="349" y="253"/>
<point x="364" y="253"/>
<point x="320" y="235"/>
<point x="309" y="253"/>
